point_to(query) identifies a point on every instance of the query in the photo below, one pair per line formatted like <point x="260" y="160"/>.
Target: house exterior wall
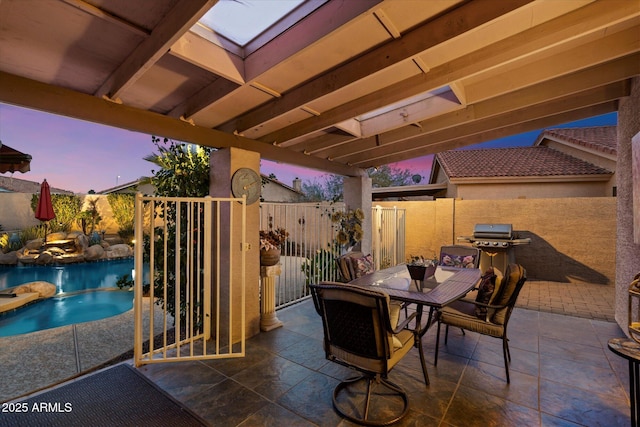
<point x="533" y="190"/>
<point x="606" y="161"/>
<point x="572" y="239"/>
<point x="140" y="188"/>
<point x="628" y="251"/>
<point x="272" y="192"/>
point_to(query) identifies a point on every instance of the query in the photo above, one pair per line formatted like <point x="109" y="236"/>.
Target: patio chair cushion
<point x="462" y="314"/>
<point x="394" y="318"/>
<point x="377" y="365"/>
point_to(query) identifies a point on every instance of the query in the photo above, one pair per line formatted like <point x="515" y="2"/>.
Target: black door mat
<point x="118" y="396"/>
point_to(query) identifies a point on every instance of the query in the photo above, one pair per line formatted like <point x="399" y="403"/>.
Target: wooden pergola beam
<point x="29" y="93"/>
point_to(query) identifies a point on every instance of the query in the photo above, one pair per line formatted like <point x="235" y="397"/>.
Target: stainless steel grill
<point x="496" y="242"/>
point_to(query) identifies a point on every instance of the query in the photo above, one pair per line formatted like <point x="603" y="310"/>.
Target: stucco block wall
<point x="420" y="227"/>
<point x="16" y="212"/>
<point x="572" y="239"/>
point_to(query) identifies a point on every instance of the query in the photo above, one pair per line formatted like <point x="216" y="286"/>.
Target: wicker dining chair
<point x="358" y="334"/>
<point x="493" y="321"/>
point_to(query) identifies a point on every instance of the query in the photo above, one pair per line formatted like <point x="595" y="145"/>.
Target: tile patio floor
<point x="562" y="374"/>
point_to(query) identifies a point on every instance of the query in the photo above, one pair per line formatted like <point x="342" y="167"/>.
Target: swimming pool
<point x="85" y="292"/>
<point x="67" y="310"/>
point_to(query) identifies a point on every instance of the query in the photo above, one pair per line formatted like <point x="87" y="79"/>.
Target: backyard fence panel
<point x="309" y="255"/>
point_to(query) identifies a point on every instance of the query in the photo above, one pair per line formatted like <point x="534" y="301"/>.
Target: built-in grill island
<point x="496" y="243"/>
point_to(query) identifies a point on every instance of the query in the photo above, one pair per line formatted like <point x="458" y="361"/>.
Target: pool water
<point x="67" y="310"/>
<point x="69" y="277"/>
<point x="85" y="292"/>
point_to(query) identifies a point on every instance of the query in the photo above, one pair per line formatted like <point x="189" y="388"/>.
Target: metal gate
<point x="189" y="269"/>
<point x="387" y="236"/>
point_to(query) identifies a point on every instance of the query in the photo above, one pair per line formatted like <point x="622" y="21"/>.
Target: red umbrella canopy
<point x="44" y="211"/>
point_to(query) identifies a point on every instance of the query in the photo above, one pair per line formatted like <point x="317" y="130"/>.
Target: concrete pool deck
<point x="8" y="304"/>
<point x="40" y="359"/>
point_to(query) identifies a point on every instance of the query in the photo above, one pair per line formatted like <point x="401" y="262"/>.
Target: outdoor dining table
<point x="447" y="285"/>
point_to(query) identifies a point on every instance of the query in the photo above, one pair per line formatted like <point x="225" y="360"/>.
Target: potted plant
<point x="421" y="268"/>
<point x="270" y="245"/>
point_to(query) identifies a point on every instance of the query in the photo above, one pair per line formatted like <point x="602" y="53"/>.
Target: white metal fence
<point x="180" y="242"/>
<point x="310" y="252"/>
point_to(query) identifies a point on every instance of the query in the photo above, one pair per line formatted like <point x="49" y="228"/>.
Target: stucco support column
<point x="627" y="251"/>
<point x="357" y="194"/>
<point x="269" y="320"/>
<point x="224" y="163"/>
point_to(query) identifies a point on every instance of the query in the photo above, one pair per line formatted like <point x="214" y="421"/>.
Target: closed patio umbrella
<point x="44" y="211"/>
<point x="13" y="160"/>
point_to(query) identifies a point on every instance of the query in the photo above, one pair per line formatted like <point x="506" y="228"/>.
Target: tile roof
<point x="599" y="138"/>
<point x="123" y="186"/>
<point x="17" y="185"/>
<point x="514" y="162"/>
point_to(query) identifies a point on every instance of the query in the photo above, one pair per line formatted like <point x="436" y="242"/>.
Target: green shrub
<point x="4" y="242"/>
<point x="184" y="172"/>
<point x="31" y="233"/>
<point x="17" y="240"/>
<point x="124" y="281"/>
<point x="322" y="266"/>
<point x="66" y="207"/>
<point x="89" y="219"/>
<point x="126" y="235"/>
<point x="123" y="207"/>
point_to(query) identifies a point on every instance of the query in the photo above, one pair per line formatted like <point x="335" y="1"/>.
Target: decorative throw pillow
<point x="497" y="289"/>
<point x="485" y="291"/>
<point x="346" y="265"/>
<point x="459" y="261"/>
<point x="363" y="265"/>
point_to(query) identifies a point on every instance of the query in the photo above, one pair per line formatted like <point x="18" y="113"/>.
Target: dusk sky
<point x="80" y="156"/>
